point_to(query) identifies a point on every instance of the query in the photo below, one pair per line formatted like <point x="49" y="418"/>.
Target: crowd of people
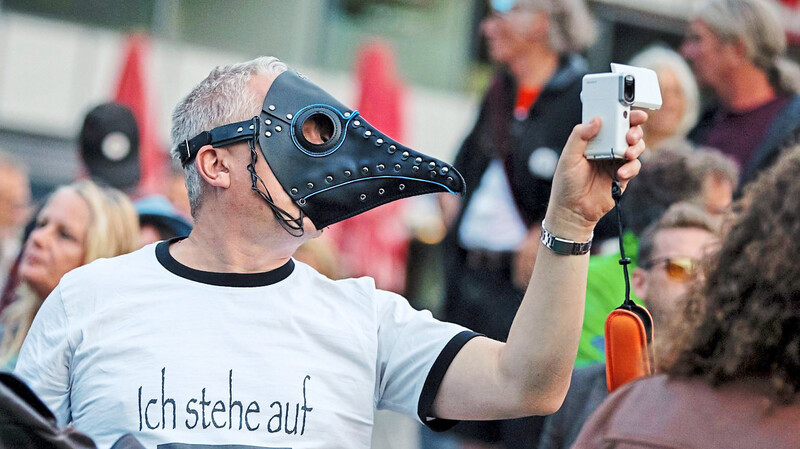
<point x="698" y="161"/>
<point x="214" y="313"/>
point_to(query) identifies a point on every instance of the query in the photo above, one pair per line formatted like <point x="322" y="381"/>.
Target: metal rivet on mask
<point x="362" y="197"/>
<point x="329" y="178"/>
<point x="379" y="142"/>
<point x="402" y="186"/>
<point x="365" y="170"/>
<point x="405" y="155"/>
<point x="356" y="123"/>
<point x="268" y="134"/>
<point x="347" y="114"/>
<point x="381" y="167"/>
<point x="445" y="170"/>
<point x="433" y="174"/>
<point x="381" y="191"/>
<point x="449" y="179"/>
<point x="415" y="168"/>
<point x="432" y="165"/>
<point x="367" y="134"/>
<point x="310" y="185"/>
<point x="294" y="190"/>
<point x="268" y="122"/>
<point x="239" y="129"/>
<point x="301" y="202"/>
<point x="418" y="160"/>
<point x="347" y="173"/>
<point x="397" y="167"/>
<point x="392" y="149"/>
<point x="272" y="107"/>
<point x="278" y="129"/>
<point x="252" y="127"/>
<point x="289" y="116"/>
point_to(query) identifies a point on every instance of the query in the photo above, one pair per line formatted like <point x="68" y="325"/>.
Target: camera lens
<point x="629" y="89"/>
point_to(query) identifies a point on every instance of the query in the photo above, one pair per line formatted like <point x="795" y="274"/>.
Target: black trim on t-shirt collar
<point x="220" y="279"/>
<point x="434" y="380"/>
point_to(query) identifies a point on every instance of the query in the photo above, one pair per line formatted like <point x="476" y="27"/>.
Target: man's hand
<point x="581" y="192"/>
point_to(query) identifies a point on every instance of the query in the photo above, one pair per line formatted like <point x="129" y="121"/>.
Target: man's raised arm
<point x="529" y="374"/>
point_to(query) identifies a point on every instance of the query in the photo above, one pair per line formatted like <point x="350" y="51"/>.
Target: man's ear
<point x="212" y="166"/>
<point x="639" y="278"/>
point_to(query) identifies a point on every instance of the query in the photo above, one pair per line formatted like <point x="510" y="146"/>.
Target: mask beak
<point x="354" y="169"/>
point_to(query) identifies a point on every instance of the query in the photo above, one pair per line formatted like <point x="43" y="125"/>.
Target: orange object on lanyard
<point x="628" y="329"/>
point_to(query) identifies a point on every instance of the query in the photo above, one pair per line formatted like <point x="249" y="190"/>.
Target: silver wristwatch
<point x="564" y="247"/>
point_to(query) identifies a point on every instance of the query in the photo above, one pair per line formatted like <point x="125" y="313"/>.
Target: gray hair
<point x="657" y="58"/>
<point x="572" y="28"/>
<point x="705" y="161"/>
<point x="222" y="97"/>
<point x="756" y="24"/>
<point x="680" y="215"/>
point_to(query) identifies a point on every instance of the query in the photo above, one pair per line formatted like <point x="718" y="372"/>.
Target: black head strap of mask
<point x="235" y="133"/>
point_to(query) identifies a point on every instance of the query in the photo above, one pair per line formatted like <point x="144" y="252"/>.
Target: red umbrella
<point x="132" y="92"/>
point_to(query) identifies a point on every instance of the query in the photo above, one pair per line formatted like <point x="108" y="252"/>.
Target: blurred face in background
<point x="509" y="33"/>
<point x="15" y="198"/>
<point x="708" y="55"/>
<point x="57" y="243"/>
<point x="717" y="194"/>
<point x="664" y="279"/>
<point x="664" y="122"/>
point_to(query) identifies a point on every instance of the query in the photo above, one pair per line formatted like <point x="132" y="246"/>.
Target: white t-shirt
<point x="283" y="359"/>
<point x="492" y="221"/>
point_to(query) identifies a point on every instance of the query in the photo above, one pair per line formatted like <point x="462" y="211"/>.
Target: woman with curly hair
<point x="734" y="373"/>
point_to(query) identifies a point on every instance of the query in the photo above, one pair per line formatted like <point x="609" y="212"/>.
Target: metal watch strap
<point x="564" y="247"/>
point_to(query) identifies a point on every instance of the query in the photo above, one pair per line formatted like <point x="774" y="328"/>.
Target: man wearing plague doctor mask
<point x="222" y="338"/>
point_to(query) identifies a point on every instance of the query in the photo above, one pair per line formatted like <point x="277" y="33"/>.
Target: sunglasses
<point x="680" y="269"/>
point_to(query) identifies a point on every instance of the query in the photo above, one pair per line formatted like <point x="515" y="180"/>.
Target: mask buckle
<point x="220" y="136"/>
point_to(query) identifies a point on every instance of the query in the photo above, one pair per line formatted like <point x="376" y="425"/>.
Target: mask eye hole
<point x="318" y="129"/>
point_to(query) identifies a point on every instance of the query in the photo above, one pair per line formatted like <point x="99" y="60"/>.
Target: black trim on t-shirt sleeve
<point x="220" y="279"/>
<point x="435" y="376"/>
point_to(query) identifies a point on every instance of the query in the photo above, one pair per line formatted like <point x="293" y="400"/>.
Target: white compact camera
<point x="610" y="97"/>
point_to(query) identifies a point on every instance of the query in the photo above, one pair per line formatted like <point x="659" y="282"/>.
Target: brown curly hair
<point x="744" y="321"/>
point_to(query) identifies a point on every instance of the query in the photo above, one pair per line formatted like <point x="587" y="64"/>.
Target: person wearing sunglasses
<point x="669" y="256"/>
<point x="732" y="378"/>
<point x="508" y="159"/>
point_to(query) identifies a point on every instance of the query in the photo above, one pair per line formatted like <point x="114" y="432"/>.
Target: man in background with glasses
<point x="670" y="251"/>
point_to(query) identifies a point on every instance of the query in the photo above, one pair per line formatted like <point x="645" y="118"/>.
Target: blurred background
<point x="59" y="58"/>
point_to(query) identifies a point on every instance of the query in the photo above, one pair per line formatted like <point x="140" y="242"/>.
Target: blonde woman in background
<point x="79" y="223"/>
<point x="669" y="126"/>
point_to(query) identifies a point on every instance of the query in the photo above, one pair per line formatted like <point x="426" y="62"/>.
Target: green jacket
<point x="605" y="291"/>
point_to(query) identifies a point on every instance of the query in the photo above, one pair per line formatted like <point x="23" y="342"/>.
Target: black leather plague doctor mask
<point x="351" y="168"/>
